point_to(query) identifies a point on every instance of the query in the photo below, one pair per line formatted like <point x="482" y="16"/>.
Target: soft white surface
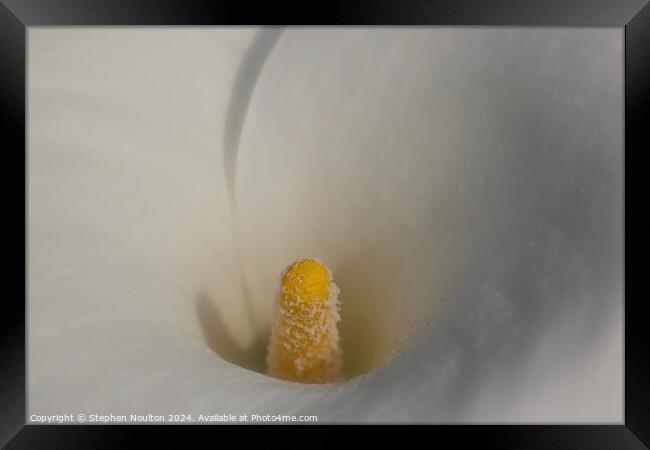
<point x="465" y="186"/>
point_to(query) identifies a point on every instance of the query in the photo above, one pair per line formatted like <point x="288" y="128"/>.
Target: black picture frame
<point x="17" y="15"/>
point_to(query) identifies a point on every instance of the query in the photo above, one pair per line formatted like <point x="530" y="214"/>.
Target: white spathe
<point x="464" y="185"/>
